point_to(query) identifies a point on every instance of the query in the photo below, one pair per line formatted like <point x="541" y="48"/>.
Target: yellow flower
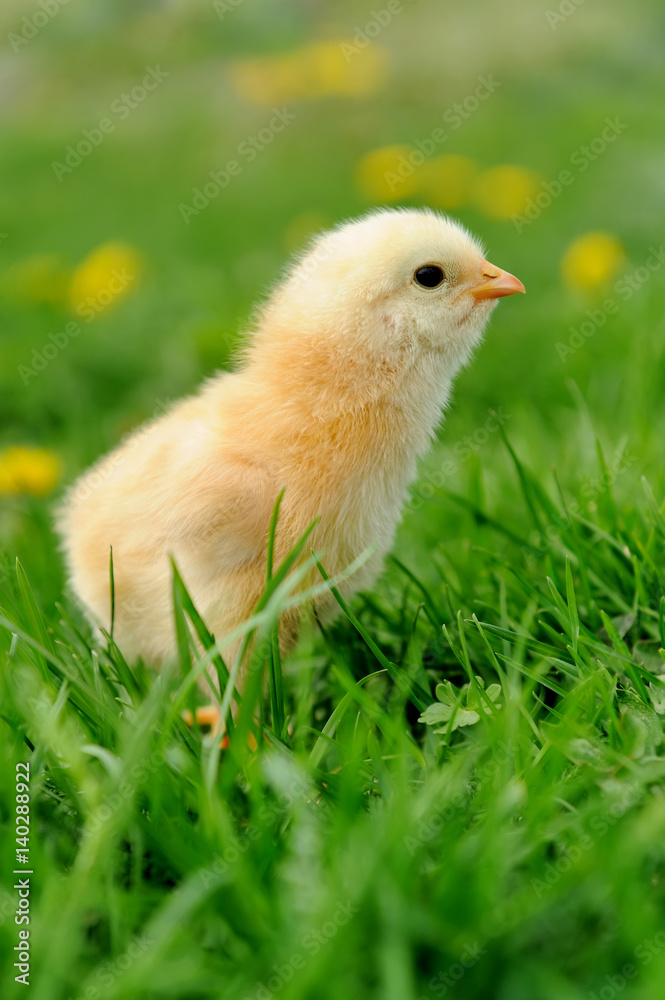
<point x="360" y="75"/>
<point x="37" y="279"/>
<point x="28" y="470"/>
<point x="447" y="181"/>
<point x="106" y="275"/>
<point x="387" y="174"/>
<point x="592" y="260"/>
<point x="503" y="191"/>
<point x="302" y="227"/>
<point x="319" y="69"/>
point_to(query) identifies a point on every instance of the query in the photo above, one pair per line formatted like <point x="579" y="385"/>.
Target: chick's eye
<point x="430" y="276"/>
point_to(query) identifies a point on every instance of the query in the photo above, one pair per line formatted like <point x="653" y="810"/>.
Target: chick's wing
<point x="223" y="507"/>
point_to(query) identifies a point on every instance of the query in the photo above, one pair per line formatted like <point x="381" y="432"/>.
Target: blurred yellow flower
<point x="106" y="275"/>
<point x="39" y="279"/>
<point x="592" y="260"/>
<point x="503" y="191"/>
<point x="388" y="174"/>
<point x="302" y="227"/>
<point x="361" y="76"/>
<point x="447" y="181"/>
<point x="28" y="470"/>
<point x="317" y="70"/>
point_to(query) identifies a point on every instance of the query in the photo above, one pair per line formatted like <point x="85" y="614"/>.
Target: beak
<point x="497" y="284"/>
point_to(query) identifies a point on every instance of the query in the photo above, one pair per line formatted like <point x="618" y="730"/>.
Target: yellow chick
<point x="339" y="390"/>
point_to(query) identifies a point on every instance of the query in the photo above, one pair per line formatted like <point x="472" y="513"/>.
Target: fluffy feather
<point x="338" y="391"/>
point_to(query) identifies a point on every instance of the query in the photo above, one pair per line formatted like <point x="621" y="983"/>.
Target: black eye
<point x="430" y="276"/>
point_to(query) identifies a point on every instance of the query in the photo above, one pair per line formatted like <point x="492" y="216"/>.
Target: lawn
<point x="458" y="786"/>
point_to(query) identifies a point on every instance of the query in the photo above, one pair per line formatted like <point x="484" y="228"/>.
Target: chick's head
<point x="395" y="278"/>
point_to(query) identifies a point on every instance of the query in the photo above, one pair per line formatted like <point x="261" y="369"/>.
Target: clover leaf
<point x="462" y="705"/>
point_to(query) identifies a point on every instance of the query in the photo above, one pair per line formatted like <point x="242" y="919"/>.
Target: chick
<point x="338" y="391"/>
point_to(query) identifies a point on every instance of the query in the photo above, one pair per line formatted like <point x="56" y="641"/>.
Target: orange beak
<point x="498" y="283"/>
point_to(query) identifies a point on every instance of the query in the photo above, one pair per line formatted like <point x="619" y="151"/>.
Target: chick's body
<point x="339" y="391"/>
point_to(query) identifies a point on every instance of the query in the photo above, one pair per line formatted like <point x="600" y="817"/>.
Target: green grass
<point x="515" y="847"/>
<point x="358" y="851"/>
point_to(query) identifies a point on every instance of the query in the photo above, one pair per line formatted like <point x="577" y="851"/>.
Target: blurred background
<point x="127" y="273"/>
